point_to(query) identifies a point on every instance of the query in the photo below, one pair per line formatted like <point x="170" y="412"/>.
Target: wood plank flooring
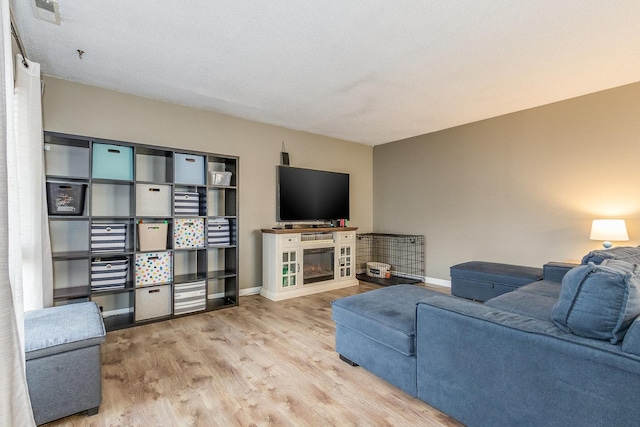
<point x="263" y="363"/>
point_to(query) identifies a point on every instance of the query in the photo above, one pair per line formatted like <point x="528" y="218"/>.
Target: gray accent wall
<point x="520" y="188"/>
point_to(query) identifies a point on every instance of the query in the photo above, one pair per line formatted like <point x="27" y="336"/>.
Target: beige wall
<point x="85" y="110"/>
<point x="521" y="188"/>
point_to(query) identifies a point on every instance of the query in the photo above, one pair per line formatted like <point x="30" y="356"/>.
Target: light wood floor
<point x="263" y="363"/>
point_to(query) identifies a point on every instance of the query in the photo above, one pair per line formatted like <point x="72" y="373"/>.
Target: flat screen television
<point x="312" y="195"/>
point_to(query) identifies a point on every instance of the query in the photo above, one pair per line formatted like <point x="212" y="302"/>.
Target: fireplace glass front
<point x="318" y="265"/>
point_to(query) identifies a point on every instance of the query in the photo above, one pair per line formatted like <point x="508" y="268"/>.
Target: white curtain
<point x="28" y="205"/>
<point x="15" y="406"/>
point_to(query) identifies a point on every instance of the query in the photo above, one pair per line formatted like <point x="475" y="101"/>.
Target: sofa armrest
<point x="555" y="271"/>
<point x="487" y="366"/>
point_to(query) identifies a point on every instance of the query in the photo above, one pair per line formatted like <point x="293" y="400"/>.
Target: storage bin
<point x="108" y="273"/>
<point x="152" y="302"/>
<point x="186" y="203"/>
<point x="65" y="198"/>
<point x="189" y="297"/>
<point x="112" y="162"/>
<point x="218" y="232"/>
<point x="152" y="236"/>
<point x="153" y="268"/>
<point x="189" y="169"/>
<point x="219" y="178"/>
<point x="377" y="269"/>
<point x="188" y="233"/>
<point x="153" y="200"/>
<point x="481" y="280"/>
<point x="108" y="237"/>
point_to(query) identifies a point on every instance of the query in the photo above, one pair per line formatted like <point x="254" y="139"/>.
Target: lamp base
<point x="606" y="244"/>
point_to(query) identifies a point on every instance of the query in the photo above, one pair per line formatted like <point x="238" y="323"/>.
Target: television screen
<point x="312" y="195"/>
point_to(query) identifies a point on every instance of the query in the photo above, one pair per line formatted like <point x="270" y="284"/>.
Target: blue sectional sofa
<point x="562" y="351"/>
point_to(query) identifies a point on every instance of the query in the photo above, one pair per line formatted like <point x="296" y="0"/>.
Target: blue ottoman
<point x="62" y="348"/>
<point x="376" y="330"/>
<point x="481" y="281"/>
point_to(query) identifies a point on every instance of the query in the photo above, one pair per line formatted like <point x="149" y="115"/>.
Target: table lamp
<point x="608" y="230"/>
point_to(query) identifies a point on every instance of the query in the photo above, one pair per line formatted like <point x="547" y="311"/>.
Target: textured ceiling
<point x="369" y="71"/>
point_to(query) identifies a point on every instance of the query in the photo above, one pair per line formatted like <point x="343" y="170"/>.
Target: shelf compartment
<point x="111" y="199"/>
<point x="110" y="161"/>
<point x="66" y="157"/>
<point x="69" y="236"/>
<point x="189" y="297"/>
<point x="221" y="201"/>
<point x="222" y="164"/>
<point x="189" y="169"/>
<point x="152" y="268"/>
<point x="153" y="200"/>
<point x="153" y="302"/>
<point x="70" y="273"/>
<point x="223" y="290"/>
<point x="154" y="166"/>
<point x="189" y="263"/>
<point x="120" y="321"/>
<point x="116" y="308"/>
<point x="221" y="259"/>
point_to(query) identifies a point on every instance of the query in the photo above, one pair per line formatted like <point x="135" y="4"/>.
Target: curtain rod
<point x="16" y="37"/>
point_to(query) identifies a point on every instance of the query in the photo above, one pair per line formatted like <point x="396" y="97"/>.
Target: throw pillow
<point x="630" y="254"/>
<point x="599" y="301"/>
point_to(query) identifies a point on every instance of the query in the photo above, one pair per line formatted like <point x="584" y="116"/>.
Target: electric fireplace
<point x="318" y="265"/>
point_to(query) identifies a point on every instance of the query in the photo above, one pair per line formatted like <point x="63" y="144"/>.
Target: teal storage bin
<point x="189" y="169"/>
<point x="112" y="162"/>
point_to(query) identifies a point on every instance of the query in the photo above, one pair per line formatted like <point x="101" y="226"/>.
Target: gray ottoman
<point x="62" y="346"/>
<point x="481" y="280"/>
<point x="376" y="330"/>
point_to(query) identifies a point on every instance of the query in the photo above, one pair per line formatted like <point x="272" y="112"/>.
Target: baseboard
<point x="437" y="282"/>
<point x="250" y="291"/>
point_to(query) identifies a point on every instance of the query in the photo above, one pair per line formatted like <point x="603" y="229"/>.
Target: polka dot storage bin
<point x="188" y="233"/>
<point x="153" y="268"/>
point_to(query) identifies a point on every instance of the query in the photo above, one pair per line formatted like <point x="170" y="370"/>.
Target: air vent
<point x="47" y="10"/>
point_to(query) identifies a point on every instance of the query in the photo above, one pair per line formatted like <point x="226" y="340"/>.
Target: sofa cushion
<point x="386" y="315"/>
<point x="630" y="254"/>
<point x="599" y="301"/>
<point x="631" y="343"/>
<point x="535" y="300"/>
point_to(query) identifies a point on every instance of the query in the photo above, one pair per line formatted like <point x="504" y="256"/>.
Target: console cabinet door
<point x="346" y="261"/>
<point x="290" y="262"/>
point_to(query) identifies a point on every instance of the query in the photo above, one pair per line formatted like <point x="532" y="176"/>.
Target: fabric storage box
<point x="108" y="273"/>
<point x="220" y="178"/>
<point x="153" y="200"/>
<point x="188" y="233"/>
<point x="108" y="237"/>
<point x="186" y="203"/>
<point x="218" y="232"/>
<point x="481" y="281"/>
<point x="152" y="236"/>
<point x="65" y="198"/>
<point x="189" y="297"/>
<point x="154" y="268"/>
<point x="152" y="302"/>
<point x="189" y="169"/>
<point x="112" y="162"/>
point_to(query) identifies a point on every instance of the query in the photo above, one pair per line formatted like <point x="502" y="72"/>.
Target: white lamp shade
<point x="609" y="229"/>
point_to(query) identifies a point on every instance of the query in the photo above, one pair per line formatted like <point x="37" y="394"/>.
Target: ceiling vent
<point x="47" y="10"/>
